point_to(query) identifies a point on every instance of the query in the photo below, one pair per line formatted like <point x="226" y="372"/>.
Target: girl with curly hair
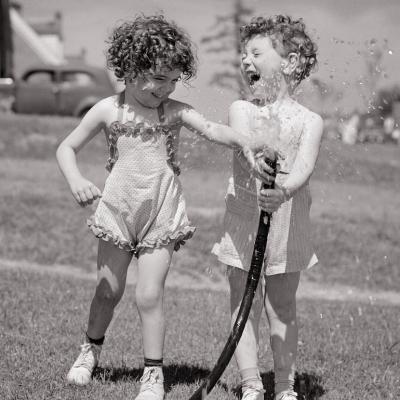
<point x="141" y="210"/>
<point x="277" y="56"/>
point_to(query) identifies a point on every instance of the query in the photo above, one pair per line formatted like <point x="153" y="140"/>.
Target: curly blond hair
<point x="288" y="36"/>
<point x="149" y="42"/>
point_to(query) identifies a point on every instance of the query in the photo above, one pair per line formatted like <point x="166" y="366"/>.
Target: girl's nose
<point x="246" y="61"/>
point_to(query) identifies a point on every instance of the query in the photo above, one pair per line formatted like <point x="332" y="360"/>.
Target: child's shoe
<point x="82" y="370"/>
<point x="253" y="391"/>
<point x="286" y="395"/>
<point x="151" y="384"/>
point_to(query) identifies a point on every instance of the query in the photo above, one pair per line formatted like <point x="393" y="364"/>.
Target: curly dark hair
<point x="148" y="42"/>
<point x="288" y="36"/>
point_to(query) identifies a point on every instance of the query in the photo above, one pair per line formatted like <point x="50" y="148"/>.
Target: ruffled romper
<point x="142" y="205"/>
<point x="289" y="246"/>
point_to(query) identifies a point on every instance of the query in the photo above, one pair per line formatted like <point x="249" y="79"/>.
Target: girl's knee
<point x="283" y="308"/>
<point x="106" y="294"/>
<point x="148" y="298"/>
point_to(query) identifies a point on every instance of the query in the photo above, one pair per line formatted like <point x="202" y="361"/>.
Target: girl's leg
<point x="280" y="306"/>
<point x="112" y="265"/>
<point x="246" y="353"/>
<point x="153" y="267"/>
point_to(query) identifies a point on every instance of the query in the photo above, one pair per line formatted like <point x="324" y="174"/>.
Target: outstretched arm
<point x="92" y="123"/>
<point x="303" y="166"/>
<point x="212" y="131"/>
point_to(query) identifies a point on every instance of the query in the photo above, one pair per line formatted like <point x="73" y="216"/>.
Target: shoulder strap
<point x="121" y="108"/>
<point x="161" y="113"/>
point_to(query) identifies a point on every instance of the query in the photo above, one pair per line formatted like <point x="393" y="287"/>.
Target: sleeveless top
<point x="142" y="204"/>
<point x="289" y="246"/>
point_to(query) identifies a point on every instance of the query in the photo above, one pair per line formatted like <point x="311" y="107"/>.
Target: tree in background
<point x="225" y="40"/>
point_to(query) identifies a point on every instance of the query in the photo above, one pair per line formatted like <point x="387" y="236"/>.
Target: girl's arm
<point x="212" y="131"/>
<point x="232" y="136"/>
<point x="239" y="121"/>
<point x="303" y="166"/>
<point x="92" y="123"/>
<point x="306" y="158"/>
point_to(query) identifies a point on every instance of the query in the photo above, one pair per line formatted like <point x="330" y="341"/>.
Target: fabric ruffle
<point x="107" y="235"/>
<point x="180" y="237"/>
<point x="146" y="132"/>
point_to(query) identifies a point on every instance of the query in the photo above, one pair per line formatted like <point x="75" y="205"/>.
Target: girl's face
<point x="261" y="65"/>
<point x="154" y="87"/>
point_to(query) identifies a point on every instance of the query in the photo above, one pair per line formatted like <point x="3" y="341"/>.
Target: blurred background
<point x="356" y="86"/>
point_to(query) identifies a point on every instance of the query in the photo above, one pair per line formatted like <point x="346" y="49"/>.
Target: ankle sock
<point x="283" y="381"/>
<point x="97" y="342"/>
<point x="251" y="377"/>
<point x="151" y="362"/>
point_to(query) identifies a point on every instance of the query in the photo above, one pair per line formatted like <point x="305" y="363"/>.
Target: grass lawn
<point x="355" y="215"/>
<point x="346" y="351"/>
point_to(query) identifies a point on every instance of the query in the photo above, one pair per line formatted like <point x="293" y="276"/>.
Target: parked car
<point x="69" y="89"/>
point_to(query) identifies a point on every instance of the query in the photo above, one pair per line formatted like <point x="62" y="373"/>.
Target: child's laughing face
<point x="154" y="87"/>
<point x="261" y="65"/>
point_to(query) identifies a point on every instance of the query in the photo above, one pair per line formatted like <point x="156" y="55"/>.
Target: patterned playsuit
<point x="142" y="205"/>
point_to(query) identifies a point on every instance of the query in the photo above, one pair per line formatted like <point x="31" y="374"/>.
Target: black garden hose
<point x="247" y="301"/>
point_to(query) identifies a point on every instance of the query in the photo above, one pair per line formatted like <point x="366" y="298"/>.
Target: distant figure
<point x="277" y="55"/>
<point x="141" y="210"/>
<point x="396" y="135"/>
<point x="350" y="130"/>
<point x="391" y="130"/>
<point x="388" y="126"/>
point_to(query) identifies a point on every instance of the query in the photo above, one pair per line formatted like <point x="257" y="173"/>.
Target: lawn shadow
<point x="174" y="374"/>
<point x="307" y="385"/>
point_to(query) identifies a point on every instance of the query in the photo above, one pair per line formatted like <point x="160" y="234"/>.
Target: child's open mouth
<point x="253" y="77"/>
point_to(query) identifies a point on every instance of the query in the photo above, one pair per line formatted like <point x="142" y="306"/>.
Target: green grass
<point x="41" y="342"/>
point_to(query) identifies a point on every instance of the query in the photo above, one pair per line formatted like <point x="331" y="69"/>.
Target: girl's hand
<point x="270" y="200"/>
<point x="262" y="170"/>
<point x="84" y="191"/>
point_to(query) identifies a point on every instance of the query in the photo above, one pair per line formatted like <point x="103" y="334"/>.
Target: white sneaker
<point x="253" y="392"/>
<point x="286" y="395"/>
<point x="151" y="384"/>
<point x="82" y="370"/>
